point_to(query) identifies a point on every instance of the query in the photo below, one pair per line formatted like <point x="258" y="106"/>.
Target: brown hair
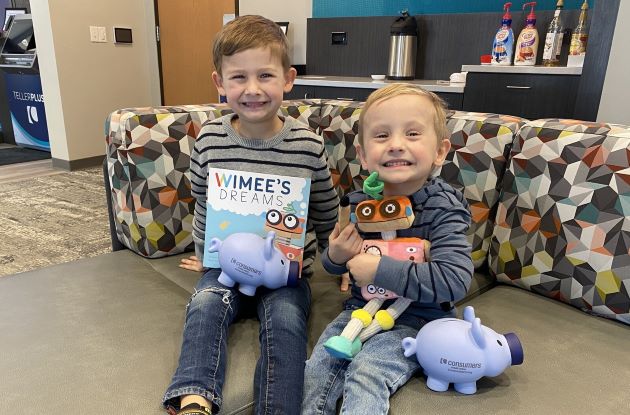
<point x="250" y="32"/>
<point x="393" y="90"/>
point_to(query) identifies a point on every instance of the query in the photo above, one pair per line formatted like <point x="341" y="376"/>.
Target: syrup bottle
<point x="553" y="40"/>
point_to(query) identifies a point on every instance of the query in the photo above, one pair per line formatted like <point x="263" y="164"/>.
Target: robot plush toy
<point x="385" y="215"/>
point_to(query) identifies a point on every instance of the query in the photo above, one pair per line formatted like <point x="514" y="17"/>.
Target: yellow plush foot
<point x="384" y="319"/>
<point x="362" y="315"/>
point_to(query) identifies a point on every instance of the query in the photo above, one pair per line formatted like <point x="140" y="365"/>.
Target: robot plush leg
<point x="347" y="345"/>
<point x="385" y="319"/>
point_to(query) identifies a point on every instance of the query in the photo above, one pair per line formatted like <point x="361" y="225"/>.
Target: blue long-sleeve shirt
<point x="442" y="217"/>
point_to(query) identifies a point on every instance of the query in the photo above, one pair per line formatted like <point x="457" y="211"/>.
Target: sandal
<point x="194" y="409"/>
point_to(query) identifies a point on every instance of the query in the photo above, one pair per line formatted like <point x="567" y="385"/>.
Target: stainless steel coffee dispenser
<point x="403" y="45"/>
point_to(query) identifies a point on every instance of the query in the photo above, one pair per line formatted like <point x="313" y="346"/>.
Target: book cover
<point x="240" y="201"/>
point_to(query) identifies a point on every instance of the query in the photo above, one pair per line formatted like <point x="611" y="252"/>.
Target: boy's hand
<point x="363" y="268"/>
<point x="344" y="285"/>
<point x="345" y="244"/>
<point x="191" y="263"/>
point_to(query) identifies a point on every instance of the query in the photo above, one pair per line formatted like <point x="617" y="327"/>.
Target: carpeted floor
<point x="52" y="219"/>
<point x="12" y="155"/>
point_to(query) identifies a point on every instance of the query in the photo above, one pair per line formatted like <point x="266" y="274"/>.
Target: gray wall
<point x="614" y="102"/>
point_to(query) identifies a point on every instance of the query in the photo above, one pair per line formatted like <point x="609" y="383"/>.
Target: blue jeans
<point x="279" y="376"/>
<point x="365" y="383"/>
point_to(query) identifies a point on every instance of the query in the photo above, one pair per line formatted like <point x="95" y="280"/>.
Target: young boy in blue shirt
<point x="402" y="136"/>
<point x="252" y="70"/>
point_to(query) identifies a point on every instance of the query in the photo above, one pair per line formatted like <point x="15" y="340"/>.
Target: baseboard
<point x="77" y="164"/>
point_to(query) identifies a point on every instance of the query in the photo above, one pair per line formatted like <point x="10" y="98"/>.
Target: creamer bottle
<point x="503" y="46"/>
<point x="527" y="43"/>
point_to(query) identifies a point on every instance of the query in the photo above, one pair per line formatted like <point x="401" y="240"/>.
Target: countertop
<point x="368" y="83"/>
<point x="544" y="70"/>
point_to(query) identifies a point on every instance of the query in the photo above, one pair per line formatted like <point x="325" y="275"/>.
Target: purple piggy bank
<point x="252" y="261"/>
<point x="461" y="352"/>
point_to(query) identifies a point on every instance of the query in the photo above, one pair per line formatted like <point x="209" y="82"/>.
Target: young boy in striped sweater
<point x="403" y="137"/>
<point x="253" y="71"/>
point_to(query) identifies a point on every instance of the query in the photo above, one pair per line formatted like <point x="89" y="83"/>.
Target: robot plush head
<point x="388" y="214"/>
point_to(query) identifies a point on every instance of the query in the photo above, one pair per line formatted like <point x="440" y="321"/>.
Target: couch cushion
<point x="563" y="222"/>
<point x="148" y="160"/>
<point x="149" y="155"/>
<point x="339" y="126"/>
<point x="480" y="145"/>
<point x="574" y="363"/>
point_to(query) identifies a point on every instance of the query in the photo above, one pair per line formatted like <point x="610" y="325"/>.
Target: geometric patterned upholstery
<point x="480" y="145"/>
<point x="148" y="163"/>
<point x="563" y="222"/>
<point x="339" y="126"/>
<point x="148" y="159"/>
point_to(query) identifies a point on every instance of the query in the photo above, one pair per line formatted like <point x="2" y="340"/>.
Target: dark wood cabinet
<point x="301" y="92"/>
<point x="328" y="92"/>
<point x="529" y="96"/>
<point x="453" y="100"/>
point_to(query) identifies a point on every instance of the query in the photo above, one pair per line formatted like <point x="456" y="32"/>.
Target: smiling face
<point x="400" y="143"/>
<point x="254" y="82"/>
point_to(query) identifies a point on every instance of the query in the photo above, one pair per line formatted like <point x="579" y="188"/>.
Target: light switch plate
<point x="93" y="34"/>
<point x="102" y="34"/>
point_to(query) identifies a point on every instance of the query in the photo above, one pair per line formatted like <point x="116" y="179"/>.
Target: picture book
<point x="240" y="201"/>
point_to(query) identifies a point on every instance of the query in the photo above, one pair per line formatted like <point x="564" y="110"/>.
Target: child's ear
<point x="289" y="79"/>
<point x="442" y="151"/>
<point x="361" y="154"/>
<point x="218" y="82"/>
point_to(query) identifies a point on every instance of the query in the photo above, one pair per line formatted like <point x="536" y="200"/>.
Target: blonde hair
<point x="250" y="32"/>
<point x="393" y="90"/>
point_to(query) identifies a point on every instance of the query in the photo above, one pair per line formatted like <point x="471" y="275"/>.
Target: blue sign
<point x="28" y="116"/>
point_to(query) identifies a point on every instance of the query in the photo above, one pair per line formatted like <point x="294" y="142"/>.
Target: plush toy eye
<point x="381" y="291"/>
<point x="282" y="261"/>
<point x="273" y="217"/>
<point x="371" y="289"/>
<point x="291" y="221"/>
<point x="500" y="344"/>
<point x="291" y="255"/>
<point x="390" y="209"/>
<point x="411" y="249"/>
<point x="366" y="212"/>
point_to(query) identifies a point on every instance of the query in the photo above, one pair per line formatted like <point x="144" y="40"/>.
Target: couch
<point x="550" y="201"/>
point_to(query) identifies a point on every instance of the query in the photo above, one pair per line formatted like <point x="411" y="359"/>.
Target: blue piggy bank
<point x="461" y="352"/>
<point x="252" y="261"/>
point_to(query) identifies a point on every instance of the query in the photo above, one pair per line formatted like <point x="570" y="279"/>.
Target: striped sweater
<point x="442" y="218"/>
<point x="295" y="151"/>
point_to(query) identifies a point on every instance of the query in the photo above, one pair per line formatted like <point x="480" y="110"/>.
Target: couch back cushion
<point x="148" y="159"/>
<point x="148" y="162"/>
<point x="480" y="145"/>
<point x="563" y="220"/>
